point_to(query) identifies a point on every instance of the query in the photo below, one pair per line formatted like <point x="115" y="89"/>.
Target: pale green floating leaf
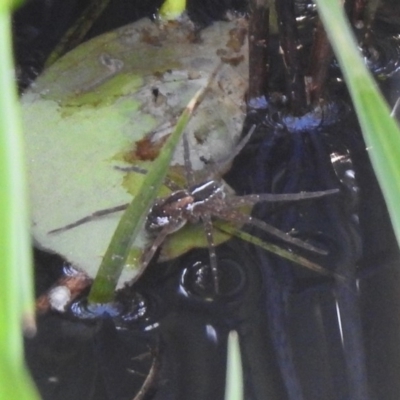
<point x="84" y="115"/>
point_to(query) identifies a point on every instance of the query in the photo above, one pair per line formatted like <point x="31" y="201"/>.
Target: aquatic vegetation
<point x="201" y="202"/>
<point x="112" y="66"/>
<point x="105" y="110"/>
<point x="16" y="299"/>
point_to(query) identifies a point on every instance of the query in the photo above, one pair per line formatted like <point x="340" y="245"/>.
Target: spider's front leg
<point x="92" y="217"/>
<point x="149" y="252"/>
<point x="158" y="226"/>
<point x="231" y="214"/>
<point x="170" y="184"/>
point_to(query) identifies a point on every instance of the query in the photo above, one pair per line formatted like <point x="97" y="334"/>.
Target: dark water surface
<point x="302" y="336"/>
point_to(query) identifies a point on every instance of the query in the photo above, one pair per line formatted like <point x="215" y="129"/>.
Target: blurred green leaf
<point x="16" y="293"/>
<point x="172" y="9"/>
<point x="9" y="5"/>
<point x="381" y="132"/>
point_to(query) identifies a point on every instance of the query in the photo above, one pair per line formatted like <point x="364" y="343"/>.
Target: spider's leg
<point x="148" y="254"/>
<point x="221" y="165"/>
<point x="252" y="199"/>
<point x="91" y="217"/>
<point x="208" y="228"/>
<point x="216" y="169"/>
<point x="132" y="168"/>
<point x="238" y="217"/>
<point x="188" y="164"/>
<point x="169" y="183"/>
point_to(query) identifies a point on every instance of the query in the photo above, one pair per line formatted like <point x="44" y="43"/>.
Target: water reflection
<point x="303" y="154"/>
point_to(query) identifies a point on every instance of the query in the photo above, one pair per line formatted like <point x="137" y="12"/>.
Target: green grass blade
<point x="16" y="293"/>
<point x="132" y="220"/>
<point x="381" y="132"/>
<point x="7" y="5"/>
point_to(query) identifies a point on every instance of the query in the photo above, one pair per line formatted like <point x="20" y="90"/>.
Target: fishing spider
<point x="201" y="202"/>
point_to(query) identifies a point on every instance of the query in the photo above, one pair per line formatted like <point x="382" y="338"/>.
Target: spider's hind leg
<point x="236" y="216"/>
<point x="216" y="169"/>
<point x="169" y="183"/>
<point x="188" y="164"/>
<point x="252" y="199"/>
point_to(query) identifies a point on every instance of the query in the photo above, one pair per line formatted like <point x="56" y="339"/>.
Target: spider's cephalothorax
<point x="169" y="212"/>
<point x="184" y="206"/>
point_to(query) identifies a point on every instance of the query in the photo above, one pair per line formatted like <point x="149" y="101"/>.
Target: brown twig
<point x="258" y="48"/>
<point x="291" y="49"/>
<point x="321" y="57"/>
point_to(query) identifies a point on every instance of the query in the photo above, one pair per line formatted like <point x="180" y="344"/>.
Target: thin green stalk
<point x="234" y="372"/>
<point x="380" y="131"/>
<point x="16" y="297"/>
